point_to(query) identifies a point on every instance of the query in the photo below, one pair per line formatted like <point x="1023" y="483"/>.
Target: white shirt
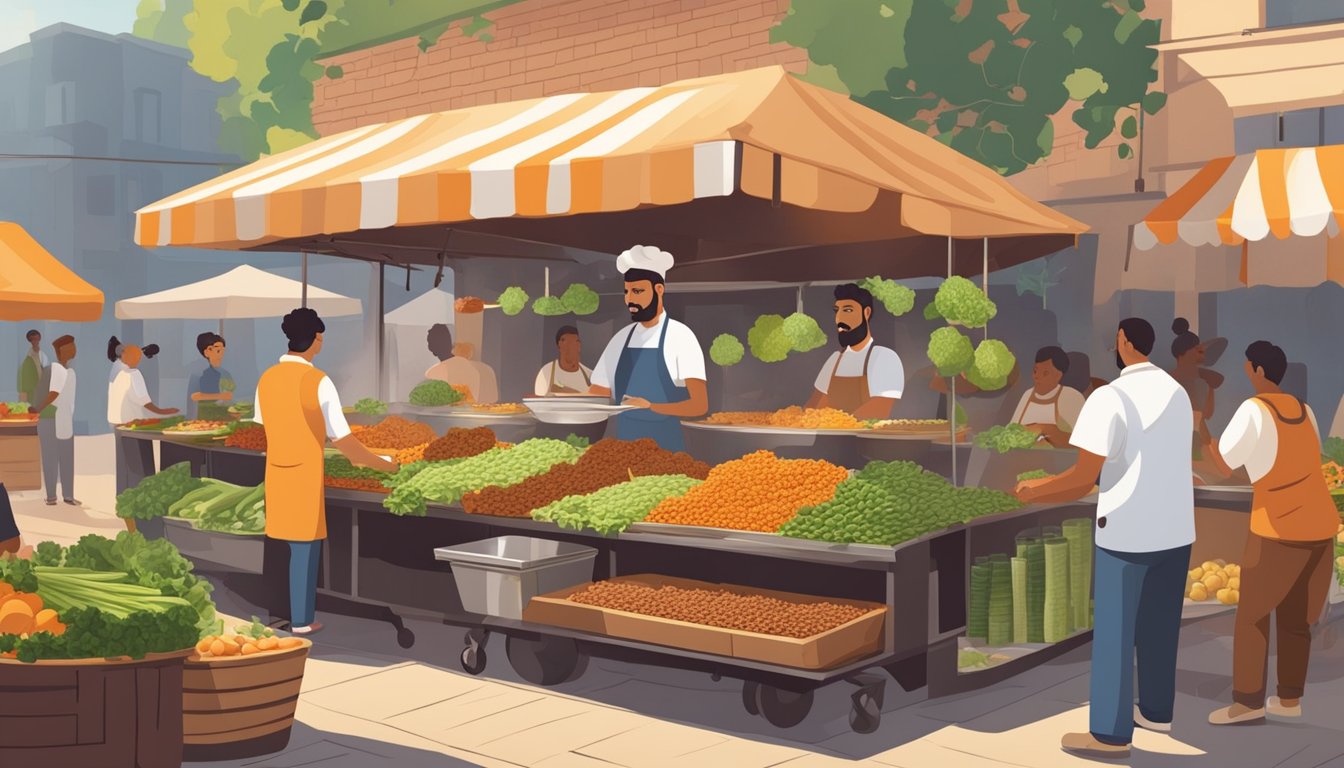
<point x="1140" y="423"/>
<point x="886" y="374"/>
<point x="681" y="351"/>
<point x="327" y="398"/>
<point x="1251" y="439"/>
<point x="1070" y="406"/>
<point x="127" y="397"/>
<point x="63" y="383"/>
<point x="117" y="367"/>
<point x="576" y="380"/>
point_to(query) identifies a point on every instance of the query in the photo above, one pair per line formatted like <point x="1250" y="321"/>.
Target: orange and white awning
<point x="762" y="133"/>
<point x="1277" y="192"/>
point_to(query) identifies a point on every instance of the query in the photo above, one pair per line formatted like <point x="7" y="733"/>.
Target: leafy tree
<point x="986" y="76"/>
<point x="161" y="21"/>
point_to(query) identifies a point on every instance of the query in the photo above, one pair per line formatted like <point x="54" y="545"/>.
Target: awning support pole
<point x="985" y="281"/>
<point x="304" y="296"/>
<point x="546" y="286"/>
<point x="382" y="307"/>
<point x="952" y="388"/>
<point x="799" y="302"/>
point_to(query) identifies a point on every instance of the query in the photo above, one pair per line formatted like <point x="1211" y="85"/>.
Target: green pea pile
<point x="447" y="483"/>
<point x="888" y="503"/>
<point x="1006" y="438"/>
<point x="613" y="509"/>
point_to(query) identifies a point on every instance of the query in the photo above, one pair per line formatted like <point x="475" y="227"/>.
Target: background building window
<point x="148" y="115"/>
<point x="1285" y="13"/>
<point x="60" y="104"/>
<point x="101" y="195"/>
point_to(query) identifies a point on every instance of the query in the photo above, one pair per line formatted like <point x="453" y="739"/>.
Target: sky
<point x="19" y="18"/>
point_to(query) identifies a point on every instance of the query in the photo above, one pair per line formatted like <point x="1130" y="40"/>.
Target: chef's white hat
<point x="646" y="257"/>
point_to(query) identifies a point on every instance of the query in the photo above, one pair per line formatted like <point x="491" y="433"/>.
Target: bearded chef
<point x="656" y="366"/>
<point x="862" y="378"/>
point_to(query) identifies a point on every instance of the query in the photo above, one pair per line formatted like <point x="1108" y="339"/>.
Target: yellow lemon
<point x="1198" y="593"/>
<point x="1213" y="582"/>
<point x="1234" y="583"/>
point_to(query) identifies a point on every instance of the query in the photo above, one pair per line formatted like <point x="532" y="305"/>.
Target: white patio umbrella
<point x="241" y="293"/>
<point x="406" y="355"/>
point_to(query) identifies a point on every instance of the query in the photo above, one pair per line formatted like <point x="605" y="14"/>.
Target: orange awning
<point x="759" y="135"/>
<point x="35" y="286"/>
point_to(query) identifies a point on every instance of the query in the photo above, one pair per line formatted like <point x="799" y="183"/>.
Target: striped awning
<point x="1249" y="197"/>
<point x="34" y="285"/>
<point x="761" y="133"/>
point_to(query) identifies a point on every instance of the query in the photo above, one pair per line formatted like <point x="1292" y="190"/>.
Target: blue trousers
<point x="304" y="557"/>
<point x="1138" y="611"/>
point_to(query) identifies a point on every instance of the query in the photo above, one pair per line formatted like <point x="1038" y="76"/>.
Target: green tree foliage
<point x="161" y="21"/>
<point x="986" y="76"/>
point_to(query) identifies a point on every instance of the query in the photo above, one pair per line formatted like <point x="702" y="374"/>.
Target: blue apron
<point x="643" y="373"/>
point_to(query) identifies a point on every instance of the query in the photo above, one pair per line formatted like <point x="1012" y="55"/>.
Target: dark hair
<point x="113" y="349"/>
<point x="207" y="340"/>
<point x="62" y="341"/>
<point x="852" y="292"/>
<point x="301" y="328"/>
<point x="564" y="331"/>
<point x="150" y="351"/>
<point x="30" y="334"/>
<point x="1185" y="340"/>
<point x="440" y="341"/>
<point x="1140" y="333"/>
<point x="1268" y="358"/>
<point x="634" y="275"/>
<point x="1057" y="357"/>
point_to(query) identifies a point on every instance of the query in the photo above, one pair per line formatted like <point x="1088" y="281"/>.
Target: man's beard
<point x="644" y="314"/>
<point x="851" y="336"/>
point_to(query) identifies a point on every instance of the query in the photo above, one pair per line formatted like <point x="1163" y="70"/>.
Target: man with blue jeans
<point x="1135" y="434"/>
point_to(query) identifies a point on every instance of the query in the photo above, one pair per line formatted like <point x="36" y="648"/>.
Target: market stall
<point x="34" y="285"/>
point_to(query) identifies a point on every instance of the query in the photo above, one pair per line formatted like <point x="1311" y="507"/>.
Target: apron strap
<point x="622" y="364"/>
<point x="1279" y="414"/>
<point x="868" y="355"/>
<point x="551" y="387"/>
<point x="587" y="382"/>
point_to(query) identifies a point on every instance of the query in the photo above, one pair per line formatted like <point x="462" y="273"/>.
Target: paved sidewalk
<point x="368" y="704"/>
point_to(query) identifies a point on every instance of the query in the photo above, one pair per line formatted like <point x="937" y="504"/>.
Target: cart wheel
<point x="405" y="637"/>
<point x="783" y="709"/>
<point x="545" y="660"/>
<point x="749" y="693"/>
<point x="865" y="716"/>
<point x="473" y="659"/>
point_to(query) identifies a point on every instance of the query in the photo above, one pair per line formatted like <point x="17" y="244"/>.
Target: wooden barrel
<point x="241" y="706"/>
<point x="112" y="712"/>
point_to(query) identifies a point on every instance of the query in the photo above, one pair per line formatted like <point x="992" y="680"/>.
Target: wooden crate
<point x="855" y="639"/>
<point x="241" y="706"/>
<point x="92" y="712"/>
<point x="20" y="456"/>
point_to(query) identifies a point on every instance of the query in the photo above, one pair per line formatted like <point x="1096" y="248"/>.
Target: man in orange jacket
<point x="1288" y="563"/>
<point x="302" y="411"/>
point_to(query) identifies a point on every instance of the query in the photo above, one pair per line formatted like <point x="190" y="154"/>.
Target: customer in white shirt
<point x="1135" y="433"/>
<point x="127" y="396"/>
<point x="57" y="434"/>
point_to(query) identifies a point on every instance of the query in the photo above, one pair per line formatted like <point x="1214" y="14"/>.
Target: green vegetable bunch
<point x="581" y="443"/>
<point x="803" y="332"/>
<point x="1333" y="450"/>
<point x="224" y="507"/>
<point x="18" y="408"/>
<point x="897" y="298"/>
<point x="94" y="634"/>
<point x="369" y="406"/>
<point x="340" y="467"/>
<point x="726" y="350"/>
<point x="992" y="366"/>
<point x="549" y="306"/>
<point x="614" y="508"/>
<point x="446" y="483"/>
<point x="962" y="302"/>
<point x="63" y="588"/>
<point x="432" y="392"/>
<point x="767" y="339"/>
<point x="1003" y="439"/>
<point x="153" y="496"/>
<point x="513" y="300"/>
<point x="950" y="351"/>
<point x="579" y="299"/>
<point x="1035" y="474"/>
<point x="227" y="385"/>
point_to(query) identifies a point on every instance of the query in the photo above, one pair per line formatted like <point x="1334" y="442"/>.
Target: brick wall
<point x="544" y="47"/>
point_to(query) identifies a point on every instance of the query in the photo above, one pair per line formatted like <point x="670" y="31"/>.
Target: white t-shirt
<point x="1070" y="405"/>
<point x="1140" y="423"/>
<point x="63" y="383"/>
<point x="127" y="397"/>
<point x="576" y="380"/>
<point x="327" y="398"/>
<point x="681" y="352"/>
<point x="1251" y="439"/>
<point x="886" y="374"/>
<point x="117" y="367"/>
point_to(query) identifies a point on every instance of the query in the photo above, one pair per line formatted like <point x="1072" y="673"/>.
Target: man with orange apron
<point x="302" y="411"/>
<point x="862" y="379"/>
<point x="1288" y="563"/>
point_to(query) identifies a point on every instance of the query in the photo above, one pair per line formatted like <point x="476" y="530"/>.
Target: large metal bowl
<point x="717" y="443"/>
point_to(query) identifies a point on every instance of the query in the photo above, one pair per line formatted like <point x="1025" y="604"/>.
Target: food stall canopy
<point x="241" y="293"/>
<point x="35" y="286"/>
<point x="1249" y="197"/>
<point x="756" y="166"/>
<point x="433" y="306"/>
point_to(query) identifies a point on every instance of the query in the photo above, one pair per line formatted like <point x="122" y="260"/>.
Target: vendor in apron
<point x="1049" y="408"/>
<point x="862" y="379"/>
<point x="657" y="366"/>
<point x="564" y="375"/>
<point x="302" y="411"/>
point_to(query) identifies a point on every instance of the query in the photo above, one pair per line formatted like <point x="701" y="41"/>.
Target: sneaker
<point x="1148" y="725"/>
<point x="1087" y="745"/>
<point x="309" y="629"/>
<point x="1275" y="707"/>
<point x="73" y="502"/>
<point x="51" y="502"/>
<point x="1237" y="714"/>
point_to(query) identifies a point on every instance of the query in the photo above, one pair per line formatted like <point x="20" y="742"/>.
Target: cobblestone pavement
<point x="367" y="703"/>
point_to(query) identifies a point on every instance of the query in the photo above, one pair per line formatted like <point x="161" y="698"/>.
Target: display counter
<point x="20" y="455"/>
